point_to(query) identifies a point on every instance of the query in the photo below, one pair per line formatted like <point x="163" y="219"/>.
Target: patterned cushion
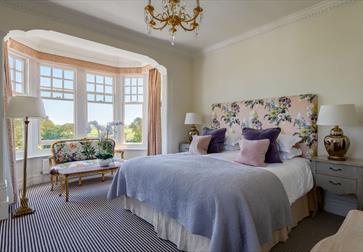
<point x="79" y="164"/>
<point x="79" y="150"/>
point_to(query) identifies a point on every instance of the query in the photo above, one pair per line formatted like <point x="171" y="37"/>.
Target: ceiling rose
<point x="173" y="15"/>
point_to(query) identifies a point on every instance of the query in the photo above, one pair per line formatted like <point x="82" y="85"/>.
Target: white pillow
<point x="294" y="152"/>
<point x="286" y="142"/>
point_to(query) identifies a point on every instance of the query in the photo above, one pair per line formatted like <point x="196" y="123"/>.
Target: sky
<point x="61" y="112"/>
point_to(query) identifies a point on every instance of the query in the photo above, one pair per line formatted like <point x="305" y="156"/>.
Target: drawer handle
<point x="335" y="169"/>
<point x="335" y="183"/>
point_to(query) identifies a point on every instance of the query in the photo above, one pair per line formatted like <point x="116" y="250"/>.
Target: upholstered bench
<point x="75" y="153"/>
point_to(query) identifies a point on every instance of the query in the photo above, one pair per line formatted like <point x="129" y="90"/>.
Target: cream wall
<point x="321" y="54"/>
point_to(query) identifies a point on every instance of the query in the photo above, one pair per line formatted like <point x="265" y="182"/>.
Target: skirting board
<point x="339" y="205"/>
<point x="4" y="206"/>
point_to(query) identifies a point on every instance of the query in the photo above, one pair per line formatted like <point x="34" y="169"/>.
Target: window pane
<point x="68" y="96"/>
<point x="108" y="98"/>
<point x="127" y="90"/>
<point x="108" y="89"/>
<point x="45" y="71"/>
<point x="127" y="81"/>
<point x="57" y="83"/>
<point x="68" y="74"/>
<point x="133" y="123"/>
<point x="133" y="90"/>
<point x="19" y="134"/>
<point x="108" y="80"/>
<point x="90" y="87"/>
<point x="99" y="98"/>
<point x="11" y="75"/>
<point x="140" y="81"/>
<point x="140" y="98"/>
<point x="68" y="84"/>
<point x="134" y="81"/>
<point x="44" y="82"/>
<point x="18" y="65"/>
<point x="57" y="72"/>
<point x="90" y="78"/>
<point x="133" y="98"/>
<point x="18" y="77"/>
<point x="57" y="95"/>
<point x="99" y="88"/>
<point x="45" y="94"/>
<point x="127" y="98"/>
<point x="99" y="79"/>
<point x="91" y="97"/>
<point x="140" y="90"/>
<point x="57" y="125"/>
<point x="100" y="112"/>
<point x="19" y="88"/>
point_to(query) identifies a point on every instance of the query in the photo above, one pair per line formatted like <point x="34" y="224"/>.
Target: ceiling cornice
<point x="310" y="12"/>
<point x="68" y="16"/>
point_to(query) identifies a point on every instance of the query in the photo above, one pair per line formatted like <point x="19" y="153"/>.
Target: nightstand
<point x="339" y="177"/>
<point x="184" y="147"/>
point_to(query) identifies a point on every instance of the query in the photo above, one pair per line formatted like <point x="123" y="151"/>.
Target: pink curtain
<point x="154" y="113"/>
<point x="8" y="92"/>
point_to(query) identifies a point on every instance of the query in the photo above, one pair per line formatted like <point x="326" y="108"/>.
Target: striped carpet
<point x="88" y="222"/>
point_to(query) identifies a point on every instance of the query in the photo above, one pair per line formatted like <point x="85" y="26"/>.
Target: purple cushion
<point x="216" y="144"/>
<point x="272" y="154"/>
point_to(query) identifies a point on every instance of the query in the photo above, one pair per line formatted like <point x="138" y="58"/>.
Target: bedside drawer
<point x="336" y="185"/>
<point x="338" y="170"/>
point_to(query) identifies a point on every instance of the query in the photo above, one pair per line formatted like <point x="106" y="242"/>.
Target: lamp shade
<point x="193" y="118"/>
<point x="339" y="114"/>
<point x="25" y="106"/>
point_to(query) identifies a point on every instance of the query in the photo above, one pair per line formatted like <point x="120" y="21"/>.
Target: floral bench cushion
<point x="80" y="164"/>
<point x="79" y="150"/>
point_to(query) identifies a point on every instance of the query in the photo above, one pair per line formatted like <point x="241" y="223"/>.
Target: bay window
<point x="73" y="96"/>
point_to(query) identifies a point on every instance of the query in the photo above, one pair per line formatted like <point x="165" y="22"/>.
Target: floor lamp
<point x="25" y="107"/>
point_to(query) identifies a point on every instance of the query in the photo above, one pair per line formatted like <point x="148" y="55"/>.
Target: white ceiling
<point x="222" y="19"/>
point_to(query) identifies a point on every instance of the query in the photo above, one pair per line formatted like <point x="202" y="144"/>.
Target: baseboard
<point x="4" y="205"/>
<point x="339" y="205"/>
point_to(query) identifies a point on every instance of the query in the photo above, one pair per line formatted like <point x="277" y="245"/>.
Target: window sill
<point x="41" y="155"/>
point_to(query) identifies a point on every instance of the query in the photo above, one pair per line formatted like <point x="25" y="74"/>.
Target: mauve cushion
<point x="199" y="145"/>
<point x="272" y="154"/>
<point x="216" y="144"/>
<point x="252" y="152"/>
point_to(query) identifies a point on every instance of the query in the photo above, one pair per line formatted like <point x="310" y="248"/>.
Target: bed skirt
<point x="168" y="229"/>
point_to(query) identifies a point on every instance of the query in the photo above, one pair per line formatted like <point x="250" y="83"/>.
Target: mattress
<point x="294" y="174"/>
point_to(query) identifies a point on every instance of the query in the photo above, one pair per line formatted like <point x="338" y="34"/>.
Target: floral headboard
<point x="295" y="115"/>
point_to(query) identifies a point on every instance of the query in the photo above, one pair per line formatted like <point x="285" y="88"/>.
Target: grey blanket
<point x="236" y="207"/>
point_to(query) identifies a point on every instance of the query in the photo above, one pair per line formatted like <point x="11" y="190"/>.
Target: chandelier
<point x="174" y="15"/>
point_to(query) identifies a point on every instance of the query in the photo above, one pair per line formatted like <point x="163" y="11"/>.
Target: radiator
<point x="45" y="167"/>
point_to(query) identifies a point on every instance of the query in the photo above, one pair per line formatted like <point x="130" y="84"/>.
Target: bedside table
<point x="184" y="147"/>
<point x="339" y="177"/>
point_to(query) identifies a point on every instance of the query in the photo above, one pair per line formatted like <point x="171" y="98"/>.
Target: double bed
<point x="210" y="202"/>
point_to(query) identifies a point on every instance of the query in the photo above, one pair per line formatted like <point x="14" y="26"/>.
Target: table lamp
<point x="337" y="144"/>
<point x="25" y="107"/>
<point x="192" y="119"/>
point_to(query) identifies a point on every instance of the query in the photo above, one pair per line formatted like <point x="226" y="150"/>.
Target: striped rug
<point x="88" y="222"/>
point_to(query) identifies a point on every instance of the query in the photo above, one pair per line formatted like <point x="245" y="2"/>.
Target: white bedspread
<point x="295" y="174"/>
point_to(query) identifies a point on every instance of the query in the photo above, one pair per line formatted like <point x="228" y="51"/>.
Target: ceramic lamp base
<point x="192" y="132"/>
<point x="336" y="144"/>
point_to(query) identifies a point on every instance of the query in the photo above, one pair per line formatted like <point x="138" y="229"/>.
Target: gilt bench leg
<point x="60" y="185"/>
<point x="79" y="180"/>
<point x="56" y="179"/>
<point x="51" y="183"/>
<point x="103" y="177"/>
<point x="67" y="188"/>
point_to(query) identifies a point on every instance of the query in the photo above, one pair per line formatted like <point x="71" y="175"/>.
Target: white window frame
<point x="25" y="83"/>
<point x="113" y="94"/>
<point x="63" y="67"/>
<point x="143" y="144"/>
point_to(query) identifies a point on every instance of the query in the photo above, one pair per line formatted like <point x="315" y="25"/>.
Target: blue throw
<point x="236" y="207"/>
